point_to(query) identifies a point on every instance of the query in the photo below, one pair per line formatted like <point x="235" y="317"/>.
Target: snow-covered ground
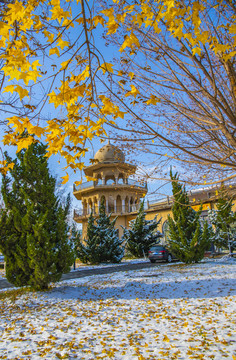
<point x="167" y="312"/>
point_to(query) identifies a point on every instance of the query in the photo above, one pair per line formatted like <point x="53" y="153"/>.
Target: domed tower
<point x="111" y="182"/>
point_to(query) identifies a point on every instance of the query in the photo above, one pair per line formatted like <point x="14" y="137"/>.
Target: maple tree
<point x="177" y="81"/>
<point x="43" y="64"/>
<point x="173" y="81"/>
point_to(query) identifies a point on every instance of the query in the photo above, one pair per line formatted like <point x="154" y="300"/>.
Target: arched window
<point x="121" y="179"/>
<point x="165" y="231"/>
<point x="132" y="206"/>
<point x="127" y="204"/>
<point x="99" y="179"/>
<point x="90" y="206"/>
<point x="95" y="206"/>
<point x="110" y="180"/>
<point x="118" y="204"/>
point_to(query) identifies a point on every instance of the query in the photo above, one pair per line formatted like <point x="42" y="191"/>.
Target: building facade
<point x="111" y="181"/>
<point x="122" y="195"/>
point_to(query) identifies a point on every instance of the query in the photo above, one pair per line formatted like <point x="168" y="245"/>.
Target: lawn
<point x="167" y="312"/>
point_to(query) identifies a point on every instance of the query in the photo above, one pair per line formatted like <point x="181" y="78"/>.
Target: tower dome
<point x="109" y="154"/>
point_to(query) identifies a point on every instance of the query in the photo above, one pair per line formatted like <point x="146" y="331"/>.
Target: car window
<point x="156" y="248"/>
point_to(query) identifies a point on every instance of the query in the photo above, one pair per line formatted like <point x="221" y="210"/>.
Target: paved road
<point x="4" y="284"/>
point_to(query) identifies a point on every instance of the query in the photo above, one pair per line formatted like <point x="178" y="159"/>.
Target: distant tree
<point x="187" y="239"/>
<point x="34" y="233"/>
<point x="142" y="234"/>
<point x="102" y="243"/>
<point x="224" y="221"/>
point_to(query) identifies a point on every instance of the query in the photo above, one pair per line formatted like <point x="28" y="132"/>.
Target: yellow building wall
<point x="123" y="220"/>
<point x="161" y="214"/>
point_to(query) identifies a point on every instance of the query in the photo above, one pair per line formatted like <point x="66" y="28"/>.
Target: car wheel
<point x="169" y="258"/>
<point x="152" y="261"/>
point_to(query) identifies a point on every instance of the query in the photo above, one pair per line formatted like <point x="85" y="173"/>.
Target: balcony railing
<point x="91" y="184"/>
<point x="109" y="210"/>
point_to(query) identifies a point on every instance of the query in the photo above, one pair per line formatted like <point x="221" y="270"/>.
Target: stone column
<point x="103" y="180"/>
<point x="84" y="208"/>
<point x="114" y="205"/>
<point x="107" y="205"/>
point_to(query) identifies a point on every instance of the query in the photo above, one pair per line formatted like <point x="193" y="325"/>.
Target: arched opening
<point x="99" y="179"/>
<point x="110" y="180"/>
<point x="90" y="206"/>
<point x="131" y="204"/>
<point x="136" y="204"/>
<point x="111" y="204"/>
<point x="95" y="206"/>
<point x="118" y="204"/>
<point x="127" y="204"/>
<point x="121" y="179"/>
<point x="164" y="232"/>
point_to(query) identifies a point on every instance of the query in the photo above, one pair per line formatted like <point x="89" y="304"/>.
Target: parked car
<point x="160" y="252"/>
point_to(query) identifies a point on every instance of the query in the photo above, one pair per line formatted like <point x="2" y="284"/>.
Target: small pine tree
<point x="187" y="240"/>
<point x="142" y="234"/>
<point x="102" y="243"/>
<point x="33" y="225"/>
<point x="88" y="249"/>
<point x="224" y="220"/>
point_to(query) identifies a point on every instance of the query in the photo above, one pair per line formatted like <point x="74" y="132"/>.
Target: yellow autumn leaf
<point x="108" y="12"/>
<point x="131" y="75"/>
<point x="62" y="43"/>
<point x="98" y="19"/>
<point x="35" y="64"/>
<point x="153" y="100"/>
<point x="9" y="88"/>
<point x="53" y="51"/>
<point x="65" y="178"/>
<point x="107" y="67"/>
<point x="134" y="91"/>
<point x="11" y="165"/>
<point x="21" y="91"/>
<point x="165" y="338"/>
<point x="78" y="182"/>
<point x="38" y="131"/>
<point x="130" y="41"/>
<point x="196" y="50"/>
<point x="24" y="143"/>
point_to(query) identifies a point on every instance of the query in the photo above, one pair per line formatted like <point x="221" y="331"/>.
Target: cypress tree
<point x="33" y="225"/>
<point x="102" y="243"/>
<point x="188" y="241"/>
<point x="224" y="220"/>
<point x="142" y="234"/>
